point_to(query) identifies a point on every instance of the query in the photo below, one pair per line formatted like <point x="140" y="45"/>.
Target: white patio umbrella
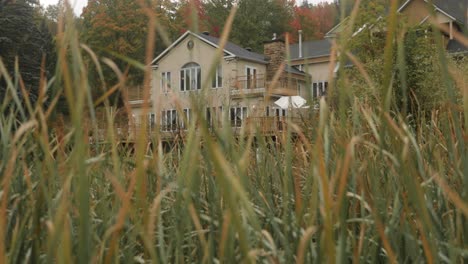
<point x="287" y="102"/>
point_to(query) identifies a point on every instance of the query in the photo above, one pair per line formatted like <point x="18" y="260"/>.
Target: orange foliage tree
<point x="314" y="20"/>
<point x="191" y="15"/>
<point x="118" y="29"/>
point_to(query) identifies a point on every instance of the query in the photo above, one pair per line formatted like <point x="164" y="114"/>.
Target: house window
<point x="187" y="117"/>
<point x="279" y="112"/>
<point x="299" y="88"/>
<point x="238" y="114"/>
<point x="169" y="120"/>
<point x="319" y="89"/>
<point x="214" y="116"/>
<point x="190" y="77"/>
<point x="217" y="81"/>
<point x="165" y="81"/>
<point x="151" y="120"/>
<point x="251" y="77"/>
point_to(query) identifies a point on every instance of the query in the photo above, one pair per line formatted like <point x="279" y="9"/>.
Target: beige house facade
<point x="232" y="86"/>
<point x="313" y="57"/>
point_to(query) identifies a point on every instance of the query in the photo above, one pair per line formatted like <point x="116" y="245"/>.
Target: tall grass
<point x="361" y="185"/>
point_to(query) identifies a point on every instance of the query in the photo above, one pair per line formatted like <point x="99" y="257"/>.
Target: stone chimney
<point x="274" y="50"/>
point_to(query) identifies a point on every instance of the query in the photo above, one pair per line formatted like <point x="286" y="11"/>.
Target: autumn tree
<point x="314" y="20"/>
<point x="304" y="20"/>
<point x="325" y="14"/>
<point x="115" y="27"/>
<point x="191" y="15"/>
<point x="118" y="29"/>
<point x="217" y="12"/>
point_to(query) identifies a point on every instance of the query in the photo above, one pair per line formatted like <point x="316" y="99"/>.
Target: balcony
<point x="135" y="95"/>
<point x="248" y="86"/>
<point x="256" y="85"/>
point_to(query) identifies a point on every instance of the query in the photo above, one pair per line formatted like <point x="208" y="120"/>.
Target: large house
<point x="239" y="86"/>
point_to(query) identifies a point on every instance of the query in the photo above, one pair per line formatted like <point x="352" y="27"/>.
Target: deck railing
<point x="248" y="85"/>
<point x="257" y="84"/>
<point x="135" y="93"/>
<point x="265" y="125"/>
<point x="268" y="124"/>
<point x="284" y="86"/>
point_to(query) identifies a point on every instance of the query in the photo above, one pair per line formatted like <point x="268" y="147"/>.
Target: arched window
<point x="190" y="77"/>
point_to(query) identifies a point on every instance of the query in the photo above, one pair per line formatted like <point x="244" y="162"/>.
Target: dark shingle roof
<point x="311" y="49"/>
<point x="247" y="55"/>
<point x="455" y="8"/>
<point x="236" y="50"/>
<point x="294" y="70"/>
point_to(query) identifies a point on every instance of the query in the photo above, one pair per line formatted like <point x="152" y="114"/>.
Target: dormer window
<point x="190" y="77"/>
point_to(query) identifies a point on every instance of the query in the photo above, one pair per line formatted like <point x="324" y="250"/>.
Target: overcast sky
<point x="79" y="4"/>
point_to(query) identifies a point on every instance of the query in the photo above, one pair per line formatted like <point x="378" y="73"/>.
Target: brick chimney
<point x="274" y="51"/>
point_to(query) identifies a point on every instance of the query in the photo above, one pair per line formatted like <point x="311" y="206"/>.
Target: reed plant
<point x="360" y="184"/>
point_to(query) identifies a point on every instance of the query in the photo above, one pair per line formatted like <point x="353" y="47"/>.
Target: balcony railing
<point x="257" y="85"/>
<point x="264" y="125"/>
<point x="136" y="94"/>
<point x="268" y="124"/>
<point x="248" y="85"/>
<point x="284" y="86"/>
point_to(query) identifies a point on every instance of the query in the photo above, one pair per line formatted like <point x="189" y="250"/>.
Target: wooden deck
<point x="252" y="125"/>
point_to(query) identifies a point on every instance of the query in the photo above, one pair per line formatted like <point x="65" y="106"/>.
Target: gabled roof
<point x="330" y="33"/>
<point x="455" y="9"/>
<point x="311" y="49"/>
<point x="231" y="49"/>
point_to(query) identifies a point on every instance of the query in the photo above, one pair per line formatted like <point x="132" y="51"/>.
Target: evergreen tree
<point x="257" y="20"/>
<point x="217" y="12"/>
<point x="23" y="40"/>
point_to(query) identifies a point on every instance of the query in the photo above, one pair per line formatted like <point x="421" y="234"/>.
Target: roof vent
<point x="207" y="33"/>
<point x="248" y="49"/>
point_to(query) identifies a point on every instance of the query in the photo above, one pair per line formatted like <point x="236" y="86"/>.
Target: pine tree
<point x="217" y="12"/>
<point x="22" y="40"/>
<point x="257" y="20"/>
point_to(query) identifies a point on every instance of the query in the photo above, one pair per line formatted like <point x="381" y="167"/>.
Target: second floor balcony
<point x="257" y="85"/>
<point x="136" y="94"/>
